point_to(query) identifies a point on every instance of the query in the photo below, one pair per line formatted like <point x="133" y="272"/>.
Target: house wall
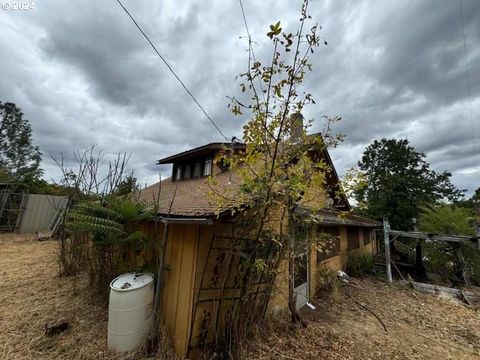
<point x="279" y="300"/>
<point x="184" y="307"/>
<point x="208" y="310"/>
<point x="338" y="262"/>
<point x="177" y="296"/>
<point x="211" y="238"/>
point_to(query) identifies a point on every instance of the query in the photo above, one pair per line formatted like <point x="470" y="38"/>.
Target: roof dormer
<point x="198" y="162"/>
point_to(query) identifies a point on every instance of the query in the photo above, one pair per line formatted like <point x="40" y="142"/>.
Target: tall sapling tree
<point x="282" y="168"/>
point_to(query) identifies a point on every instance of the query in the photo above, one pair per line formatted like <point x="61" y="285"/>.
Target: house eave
<point x="185" y="220"/>
<point x="335" y="218"/>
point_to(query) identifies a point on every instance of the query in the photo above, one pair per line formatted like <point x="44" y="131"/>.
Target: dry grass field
<point x="419" y="326"/>
<point x="33" y="295"/>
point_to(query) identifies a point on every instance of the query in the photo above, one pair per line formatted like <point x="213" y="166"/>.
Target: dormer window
<point x="198" y="163"/>
<point x="187" y="171"/>
<point x="195" y="169"/>
<point x="178" y="172"/>
<point x="207" y="170"/>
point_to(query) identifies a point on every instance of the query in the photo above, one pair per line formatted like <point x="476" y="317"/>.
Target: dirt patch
<point x="419" y="326"/>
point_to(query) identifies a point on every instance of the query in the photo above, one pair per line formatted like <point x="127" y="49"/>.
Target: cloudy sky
<point x="84" y="75"/>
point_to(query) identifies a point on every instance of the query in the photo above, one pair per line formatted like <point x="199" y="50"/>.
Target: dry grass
<point x="420" y="326"/>
<point x="33" y="295"/>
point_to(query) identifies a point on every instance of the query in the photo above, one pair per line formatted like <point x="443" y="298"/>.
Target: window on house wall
<point x="178" y="172"/>
<point x="353" y="239"/>
<point x="328" y="243"/>
<point x="187" y="171"/>
<point x="207" y="170"/>
<point x="197" y="169"/>
<point x="191" y="170"/>
<point x="367" y="236"/>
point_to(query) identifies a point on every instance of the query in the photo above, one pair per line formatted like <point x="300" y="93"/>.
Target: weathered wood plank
<point x="435" y="237"/>
<point x="386" y="235"/>
<point x="435" y="289"/>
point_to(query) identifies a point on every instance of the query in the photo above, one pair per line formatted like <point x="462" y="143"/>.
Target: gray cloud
<point x="84" y="75"/>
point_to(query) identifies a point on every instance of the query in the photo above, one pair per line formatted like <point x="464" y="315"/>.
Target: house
<point x="201" y="292"/>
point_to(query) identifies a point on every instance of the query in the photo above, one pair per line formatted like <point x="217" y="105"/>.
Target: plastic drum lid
<point x="131" y="281"/>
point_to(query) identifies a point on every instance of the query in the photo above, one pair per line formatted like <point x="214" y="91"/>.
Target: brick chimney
<point x="296" y="123"/>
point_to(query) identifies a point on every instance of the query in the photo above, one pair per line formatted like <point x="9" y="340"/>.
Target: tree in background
<point x="447" y="219"/>
<point x="475" y="199"/>
<point x="127" y="186"/>
<point x="19" y="159"/>
<point x="399" y="182"/>
<point x="472" y="203"/>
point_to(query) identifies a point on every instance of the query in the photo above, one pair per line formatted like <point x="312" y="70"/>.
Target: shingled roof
<point x="192" y="197"/>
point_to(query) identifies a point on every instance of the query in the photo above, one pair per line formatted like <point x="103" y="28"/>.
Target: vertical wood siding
<point x="177" y="296"/>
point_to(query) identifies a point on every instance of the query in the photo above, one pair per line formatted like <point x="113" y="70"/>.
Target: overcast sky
<point x="83" y="75"/>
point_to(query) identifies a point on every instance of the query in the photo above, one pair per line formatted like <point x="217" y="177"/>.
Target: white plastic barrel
<point x="130" y="311"/>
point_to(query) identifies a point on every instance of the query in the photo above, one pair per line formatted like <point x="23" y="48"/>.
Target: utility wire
<point x="250" y="45"/>
<point x="245" y="22"/>
<point x="467" y="71"/>
<point x="172" y="71"/>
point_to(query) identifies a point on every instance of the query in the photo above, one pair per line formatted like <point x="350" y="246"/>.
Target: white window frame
<point x="207" y="169"/>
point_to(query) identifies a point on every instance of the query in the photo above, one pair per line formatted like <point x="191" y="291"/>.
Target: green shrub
<point x="360" y="264"/>
<point x="472" y="258"/>
<point x="328" y="283"/>
<point x="109" y="237"/>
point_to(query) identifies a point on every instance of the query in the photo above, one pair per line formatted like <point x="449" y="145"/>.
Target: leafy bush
<point x="472" y="258"/>
<point x="328" y="282"/>
<point x="360" y="264"/>
<point x="447" y="219"/>
<point x="106" y="237"/>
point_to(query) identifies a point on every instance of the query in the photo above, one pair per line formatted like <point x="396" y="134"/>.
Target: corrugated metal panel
<point x="39" y="212"/>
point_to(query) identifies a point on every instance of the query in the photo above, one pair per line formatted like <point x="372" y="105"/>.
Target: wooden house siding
<point x="338" y="262"/>
<point x="216" y="236"/>
<point x="178" y="290"/>
<point x="186" y="260"/>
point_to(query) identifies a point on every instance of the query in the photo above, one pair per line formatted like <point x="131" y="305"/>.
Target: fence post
<point x="477" y="228"/>
<point x="386" y="239"/>
<point x="3" y="201"/>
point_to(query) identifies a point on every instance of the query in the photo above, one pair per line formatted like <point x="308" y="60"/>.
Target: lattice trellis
<point x="233" y="293"/>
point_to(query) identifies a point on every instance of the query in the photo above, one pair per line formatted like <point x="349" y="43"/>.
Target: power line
<point x="245" y="21"/>
<point x="250" y="46"/>
<point x="467" y="71"/>
<point x="172" y="71"/>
